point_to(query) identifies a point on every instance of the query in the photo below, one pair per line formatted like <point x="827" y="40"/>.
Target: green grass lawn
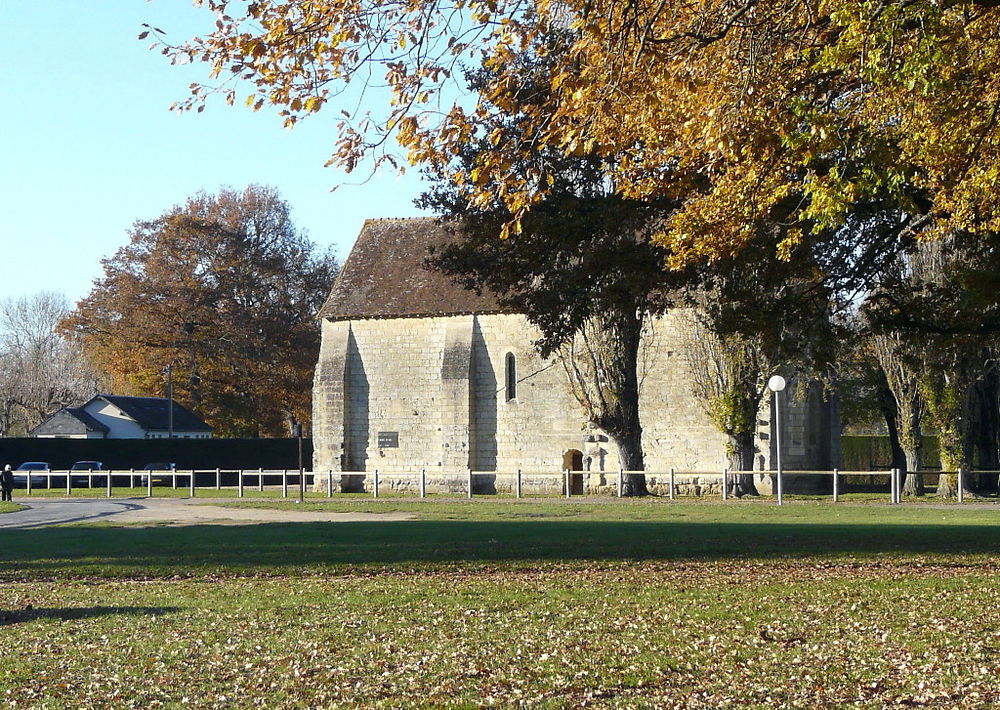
<point x="631" y="604"/>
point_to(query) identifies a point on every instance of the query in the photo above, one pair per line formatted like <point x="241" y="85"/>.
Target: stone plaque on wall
<point x="388" y="440"/>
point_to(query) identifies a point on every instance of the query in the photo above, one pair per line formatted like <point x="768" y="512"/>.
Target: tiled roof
<point x="88" y="421"/>
<point x="69" y="420"/>
<point x="384" y="276"/>
<point x="152" y="415"/>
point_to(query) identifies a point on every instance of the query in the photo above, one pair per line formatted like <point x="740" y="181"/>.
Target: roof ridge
<point x="412" y="218"/>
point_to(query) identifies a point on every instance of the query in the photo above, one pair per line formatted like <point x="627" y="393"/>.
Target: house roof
<point x="69" y="420"/>
<point x="384" y="275"/>
<point x="151" y="413"/>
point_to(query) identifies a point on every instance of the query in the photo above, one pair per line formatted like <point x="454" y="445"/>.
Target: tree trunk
<point x="953" y="457"/>
<point x="985" y="423"/>
<point x="630" y="457"/>
<point x="912" y="441"/>
<point x="890" y="412"/>
<point x="602" y="367"/>
<point x="914" y="483"/>
<point x="947" y="485"/>
<point x="740" y="456"/>
<point x="949" y="386"/>
<point x="621" y="411"/>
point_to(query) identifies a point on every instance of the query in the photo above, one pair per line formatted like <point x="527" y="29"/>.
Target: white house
<point x="109" y="416"/>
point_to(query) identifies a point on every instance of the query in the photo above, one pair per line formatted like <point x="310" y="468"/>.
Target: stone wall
<point x="404" y="394"/>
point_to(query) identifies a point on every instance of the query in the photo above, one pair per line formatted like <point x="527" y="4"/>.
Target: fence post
<point x="517" y="484"/>
<point x="239" y="483"/>
<point x="149" y="484"/>
<point x="470" y="483"/>
<point x="191" y="483"/>
<point x="566" y="482"/>
<point x="961" y="484"/>
<point x="780" y="489"/>
<point x="329" y="484"/>
<point x="423" y="483"/>
<point x="621" y="481"/>
<point x="69" y="483"/>
<point x="260" y="480"/>
<point x="218" y="480"/>
<point x="28" y="478"/>
<point x="109" y="484"/>
<point x="725" y="483"/>
<point x="375" y="486"/>
<point x="173" y="478"/>
<point x="836" y="485"/>
<point x="284" y="483"/>
<point x="48" y="479"/>
<point x="131" y="478"/>
<point x="892" y="486"/>
<point x="670" y="493"/>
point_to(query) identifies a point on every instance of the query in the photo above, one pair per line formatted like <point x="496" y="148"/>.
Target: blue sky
<point x="89" y="146"/>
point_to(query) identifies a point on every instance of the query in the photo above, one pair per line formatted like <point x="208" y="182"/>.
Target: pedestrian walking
<point x="6" y="483"/>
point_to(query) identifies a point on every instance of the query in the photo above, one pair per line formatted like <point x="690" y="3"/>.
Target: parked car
<point x="85" y="466"/>
<point x="21" y="479"/>
<point x="160" y="471"/>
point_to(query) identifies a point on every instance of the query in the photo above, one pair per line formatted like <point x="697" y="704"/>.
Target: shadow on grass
<point x="20" y="616"/>
<point x="287" y="547"/>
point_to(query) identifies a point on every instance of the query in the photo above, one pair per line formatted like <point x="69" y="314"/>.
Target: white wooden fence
<point x="373" y="482"/>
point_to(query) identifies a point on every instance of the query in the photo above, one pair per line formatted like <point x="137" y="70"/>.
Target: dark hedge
<point x="872" y="453"/>
<point x="123" y="454"/>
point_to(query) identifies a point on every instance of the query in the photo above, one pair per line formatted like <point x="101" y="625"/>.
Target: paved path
<point x="172" y="511"/>
<point x="70" y="510"/>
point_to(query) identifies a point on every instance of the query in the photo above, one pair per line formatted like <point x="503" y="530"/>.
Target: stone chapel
<point x="415" y="372"/>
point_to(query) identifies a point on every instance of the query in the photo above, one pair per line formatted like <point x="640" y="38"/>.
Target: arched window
<point x="511" y="377"/>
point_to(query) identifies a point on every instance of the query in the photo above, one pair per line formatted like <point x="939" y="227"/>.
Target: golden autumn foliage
<point x="730" y="106"/>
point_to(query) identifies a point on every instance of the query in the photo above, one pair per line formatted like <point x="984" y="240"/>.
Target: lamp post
<point x="169" y="369"/>
<point x="776" y="384"/>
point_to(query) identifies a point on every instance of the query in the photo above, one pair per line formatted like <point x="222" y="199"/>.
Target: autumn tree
<point x="225" y="289"/>
<point x="828" y="103"/>
<point x="581" y="268"/>
<point x="732" y="110"/>
<point x="40" y="372"/>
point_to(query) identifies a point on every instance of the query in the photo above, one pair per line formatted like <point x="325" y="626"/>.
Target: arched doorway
<point x="573" y="461"/>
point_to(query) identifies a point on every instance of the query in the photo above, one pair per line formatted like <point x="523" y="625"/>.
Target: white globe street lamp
<point x="776" y="384"/>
